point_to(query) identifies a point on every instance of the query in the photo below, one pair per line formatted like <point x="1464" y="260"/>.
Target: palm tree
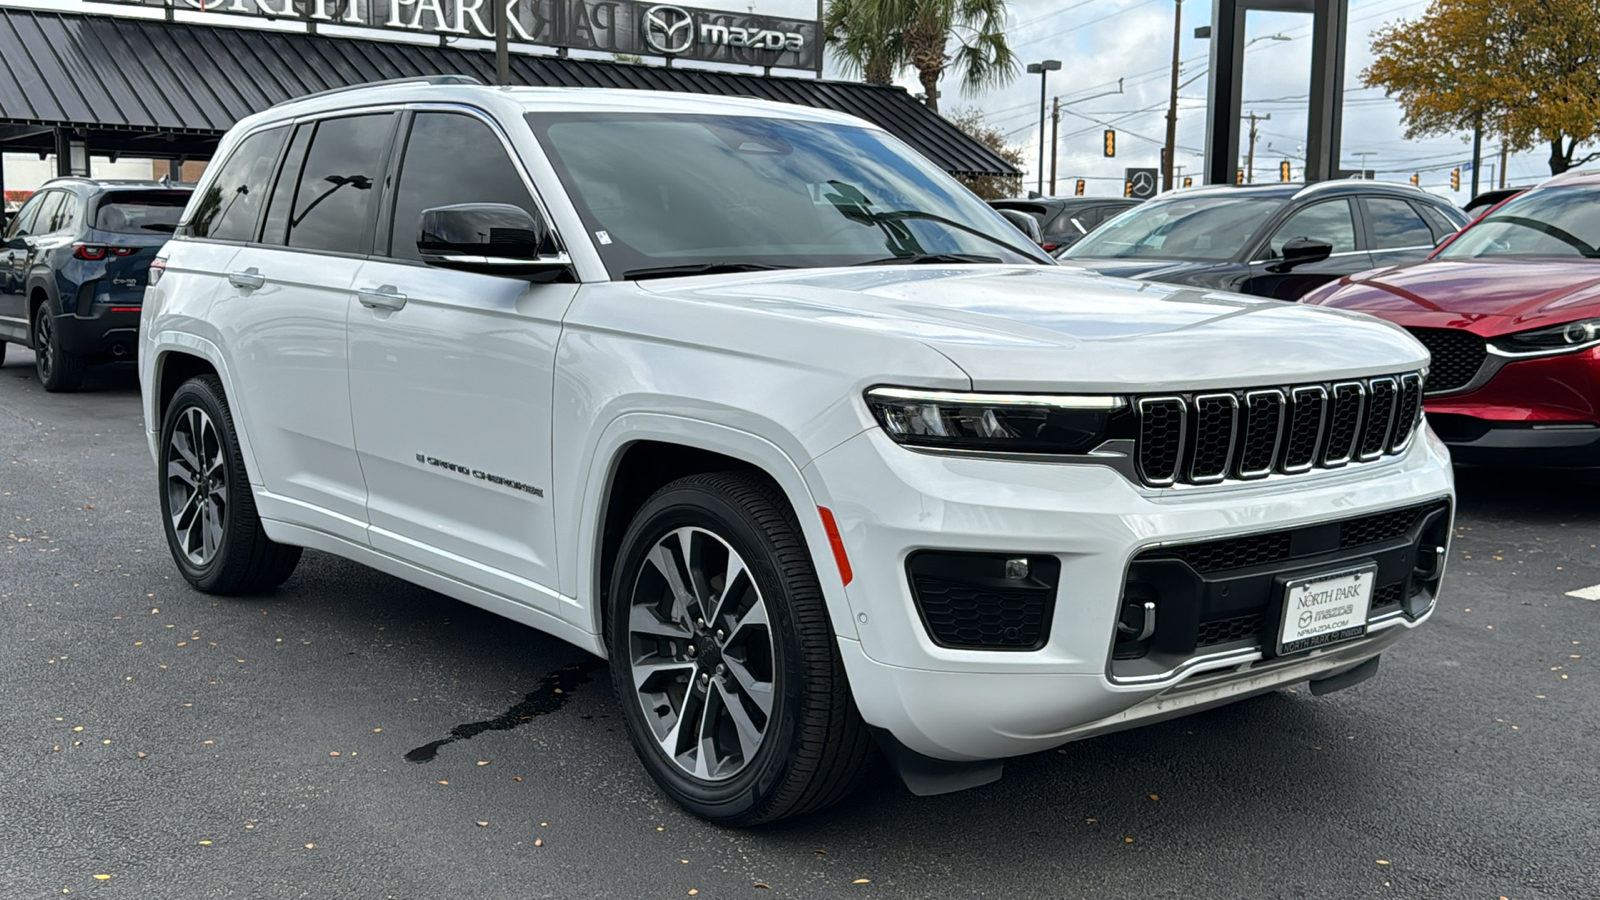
<point x="876" y="39"/>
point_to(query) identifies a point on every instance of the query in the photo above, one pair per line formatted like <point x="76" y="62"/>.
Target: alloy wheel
<point x="43" y="349"/>
<point x="197" y="486"/>
<point x="701" y="652"/>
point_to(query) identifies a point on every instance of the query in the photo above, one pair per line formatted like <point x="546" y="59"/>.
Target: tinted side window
<point x="22" y="223"/>
<point x="1330" y="220"/>
<point x="276" y="229"/>
<point x="49" y="209"/>
<point x="451" y="159"/>
<point x="1442" y="224"/>
<point x="66" y="215"/>
<point x="334" y="199"/>
<point x="1395" y="224"/>
<point x="229" y="207"/>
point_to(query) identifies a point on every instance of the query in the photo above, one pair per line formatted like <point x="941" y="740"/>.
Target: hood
<point x="1520" y="293"/>
<point x="1142" y="268"/>
<point x="1056" y="328"/>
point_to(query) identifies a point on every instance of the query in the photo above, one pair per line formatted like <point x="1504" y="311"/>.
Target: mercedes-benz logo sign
<point x="1143" y="184"/>
<point x="668" y="30"/>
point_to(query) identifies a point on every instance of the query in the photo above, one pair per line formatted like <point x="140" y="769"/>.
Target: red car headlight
<point x="1553" y="339"/>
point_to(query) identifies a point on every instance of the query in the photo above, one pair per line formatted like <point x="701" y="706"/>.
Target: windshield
<point x="1558" y="221"/>
<point x="141" y="212"/>
<point x="664" y="193"/>
<point x="1210" y="229"/>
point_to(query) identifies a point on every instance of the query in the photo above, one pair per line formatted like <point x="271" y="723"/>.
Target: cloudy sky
<point x="1099" y="41"/>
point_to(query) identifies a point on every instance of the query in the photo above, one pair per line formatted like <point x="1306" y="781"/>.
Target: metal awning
<point x="143" y="87"/>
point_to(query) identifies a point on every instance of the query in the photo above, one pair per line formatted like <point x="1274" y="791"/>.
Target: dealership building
<point x="106" y="88"/>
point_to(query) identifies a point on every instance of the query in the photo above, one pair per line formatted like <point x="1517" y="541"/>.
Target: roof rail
<point x="1354" y="182"/>
<point x="415" y="79"/>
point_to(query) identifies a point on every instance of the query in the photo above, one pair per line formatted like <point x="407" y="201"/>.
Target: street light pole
<point x="1043" y="70"/>
<point x="1169" y="157"/>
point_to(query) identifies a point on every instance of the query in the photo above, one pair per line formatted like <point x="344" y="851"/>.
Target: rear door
<point x="451" y="376"/>
<point x="1333" y="221"/>
<point x="282" y="311"/>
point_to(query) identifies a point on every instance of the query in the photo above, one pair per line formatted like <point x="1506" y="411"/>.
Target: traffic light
<point x="1416" y="178"/>
<point x="1127" y="189"/>
<point x="1455" y="179"/>
<point x="1078" y="188"/>
<point x="1239" y="178"/>
<point x="1188" y="181"/>
<point x="1283" y="171"/>
<point x="1111" y="142"/>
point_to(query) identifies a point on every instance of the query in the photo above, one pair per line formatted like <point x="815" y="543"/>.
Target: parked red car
<point x="1510" y="308"/>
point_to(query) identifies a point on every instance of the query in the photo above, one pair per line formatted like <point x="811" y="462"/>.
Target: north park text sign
<point x="609" y="26"/>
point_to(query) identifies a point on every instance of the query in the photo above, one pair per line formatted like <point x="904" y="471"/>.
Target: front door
<point x="1332" y="221"/>
<point x="450" y="380"/>
<point x="16" y="257"/>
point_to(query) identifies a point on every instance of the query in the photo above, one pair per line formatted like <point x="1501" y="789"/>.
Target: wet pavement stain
<point x="554" y="690"/>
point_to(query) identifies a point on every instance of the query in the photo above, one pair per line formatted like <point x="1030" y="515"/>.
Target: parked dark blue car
<point x="73" y="266"/>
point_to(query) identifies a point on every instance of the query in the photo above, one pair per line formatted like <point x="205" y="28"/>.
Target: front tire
<point x="723" y="657"/>
<point x="207" y="507"/>
<point x="59" y="369"/>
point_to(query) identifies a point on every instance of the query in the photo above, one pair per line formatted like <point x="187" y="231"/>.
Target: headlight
<point x="1007" y="423"/>
<point x="1554" y="339"/>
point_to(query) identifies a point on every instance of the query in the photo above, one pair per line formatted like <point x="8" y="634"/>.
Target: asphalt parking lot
<point x="351" y="735"/>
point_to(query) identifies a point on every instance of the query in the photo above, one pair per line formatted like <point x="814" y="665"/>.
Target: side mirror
<point x="1301" y="250"/>
<point x="1025" y="223"/>
<point x="488" y="238"/>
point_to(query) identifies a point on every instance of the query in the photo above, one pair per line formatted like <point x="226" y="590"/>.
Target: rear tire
<point x="59" y="370"/>
<point x="718" y="625"/>
<point x="2" y="353"/>
<point x="207" y="508"/>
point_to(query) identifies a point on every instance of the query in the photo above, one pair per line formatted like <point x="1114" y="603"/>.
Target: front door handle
<point x="249" y="279"/>
<point x="385" y="297"/>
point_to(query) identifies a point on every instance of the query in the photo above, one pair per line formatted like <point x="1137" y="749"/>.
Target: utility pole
<point x="1250" y="158"/>
<point x="1477" y="152"/>
<point x="1055" y="125"/>
<point x="502" y="42"/>
<point x="1170" y="156"/>
<point x="1043" y="70"/>
<point x="1502" y="162"/>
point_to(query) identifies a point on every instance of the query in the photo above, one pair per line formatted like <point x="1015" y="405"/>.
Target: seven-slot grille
<point x="1457" y="357"/>
<point x="1218" y="436"/>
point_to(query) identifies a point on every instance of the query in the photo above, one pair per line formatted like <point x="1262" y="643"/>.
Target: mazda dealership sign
<point x="610" y="26"/>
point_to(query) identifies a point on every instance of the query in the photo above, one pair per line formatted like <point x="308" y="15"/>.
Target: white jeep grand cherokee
<point x="805" y="438"/>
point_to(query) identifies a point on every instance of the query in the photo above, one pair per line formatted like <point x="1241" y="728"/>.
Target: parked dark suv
<point x="1278" y="240"/>
<point x="72" y="271"/>
<point x="1064" y="220"/>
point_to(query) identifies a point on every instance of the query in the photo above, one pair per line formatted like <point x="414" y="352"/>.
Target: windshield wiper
<point x="912" y="259"/>
<point x="699" y="269"/>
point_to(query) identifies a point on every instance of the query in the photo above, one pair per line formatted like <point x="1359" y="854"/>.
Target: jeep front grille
<point x="1216" y="436"/>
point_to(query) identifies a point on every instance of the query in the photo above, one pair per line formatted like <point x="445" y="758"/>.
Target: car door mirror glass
<point x="1025" y="223"/>
<point x="494" y="238"/>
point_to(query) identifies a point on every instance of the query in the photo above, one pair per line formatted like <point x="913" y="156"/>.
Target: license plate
<point x="1325" y="609"/>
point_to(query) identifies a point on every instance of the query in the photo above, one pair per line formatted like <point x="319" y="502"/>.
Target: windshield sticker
<point x="604" y="237"/>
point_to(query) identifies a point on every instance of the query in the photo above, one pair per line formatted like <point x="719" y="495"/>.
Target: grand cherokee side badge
<point x="480" y="475"/>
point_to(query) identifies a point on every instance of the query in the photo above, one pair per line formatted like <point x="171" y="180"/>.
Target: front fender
<point x="630" y="428"/>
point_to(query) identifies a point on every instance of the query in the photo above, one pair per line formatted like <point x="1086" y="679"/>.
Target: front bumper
<point x="972" y="704"/>
<point x="1536" y="412"/>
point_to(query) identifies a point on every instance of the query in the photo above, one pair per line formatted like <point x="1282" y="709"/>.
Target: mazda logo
<point x="668" y="30"/>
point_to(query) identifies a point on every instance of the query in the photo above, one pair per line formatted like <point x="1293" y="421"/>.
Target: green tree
<point x="989" y="187"/>
<point x="877" y="39"/>
<point x="1528" y="70"/>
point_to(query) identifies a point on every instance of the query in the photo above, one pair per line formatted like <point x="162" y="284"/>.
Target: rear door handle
<point x="385" y="297"/>
<point x="249" y="279"/>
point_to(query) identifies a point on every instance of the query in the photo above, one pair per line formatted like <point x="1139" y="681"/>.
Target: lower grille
<point x="1224" y="630"/>
<point x="968" y="602"/>
<point x="1457" y="357"/>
